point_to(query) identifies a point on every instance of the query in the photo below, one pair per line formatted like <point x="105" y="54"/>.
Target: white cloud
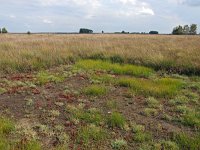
<point x="134" y="8"/>
<point x="47" y="21"/>
<point x="195" y="3"/>
<point x="12" y="16"/>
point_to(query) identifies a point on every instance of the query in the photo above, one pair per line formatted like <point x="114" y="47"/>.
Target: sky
<point x="98" y="15"/>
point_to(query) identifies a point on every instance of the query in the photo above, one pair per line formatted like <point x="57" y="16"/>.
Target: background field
<point x="33" y="52"/>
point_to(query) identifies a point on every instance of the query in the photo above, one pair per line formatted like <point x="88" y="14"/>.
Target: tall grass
<point x="22" y="53"/>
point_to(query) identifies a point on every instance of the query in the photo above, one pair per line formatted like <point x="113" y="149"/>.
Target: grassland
<point x="24" y="53"/>
<point x="105" y="92"/>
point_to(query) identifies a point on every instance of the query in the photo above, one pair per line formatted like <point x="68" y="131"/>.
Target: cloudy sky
<point x="107" y="15"/>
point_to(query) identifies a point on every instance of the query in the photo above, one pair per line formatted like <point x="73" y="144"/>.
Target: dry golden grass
<point x="22" y="53"/>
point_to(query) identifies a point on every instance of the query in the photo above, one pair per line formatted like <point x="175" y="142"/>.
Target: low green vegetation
<point x="125" y="69"/>
<point x="116" y="120"/>
<point x="169" y="145"/>
<point x="95" y="90"/>
<point x="91" y="134"/>
<point x="140" y="135"/>
<point x="2" y="90"/>
<point x="153" y="103"/>
<point x="103" y="78"/>
<point x="162" y="145"/>
<point x="165" y="87"/>
<point x="89" y="116"/>
<point x="32" y="145"/>
<point x="191" y="118"/>
<point x="119" y="144"/>
<point x="179" y="100"/>
<point x="186" y="142"/>
<point x="45" y="77"/>
<point x="6" y="126"/>
<point x="111" y="104"/>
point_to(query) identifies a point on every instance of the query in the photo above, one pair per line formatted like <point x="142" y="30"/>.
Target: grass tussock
<point x="95" y="90"/>
<point x="126" y="69"/>
<point x="165" y="87"/>
<point x="116" y="120"/>
<point x="91" y="134"/>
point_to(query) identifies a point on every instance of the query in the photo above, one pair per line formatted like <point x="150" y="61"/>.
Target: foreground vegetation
<point x="81" y="106"/>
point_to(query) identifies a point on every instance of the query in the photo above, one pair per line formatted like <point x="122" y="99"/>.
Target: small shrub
<point x="119" y="144"/>
<point x="116" y="120"/>
<point x="137" y="128"/>
<point x="95" y="90"/>
<point x="91" y="133"/>
<point x="153" y="103"/>
<point x="150" y="112"/>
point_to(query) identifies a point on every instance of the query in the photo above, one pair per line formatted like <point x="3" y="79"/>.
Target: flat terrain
<point x="134" y="92"/>
<point x="24" y="53"/>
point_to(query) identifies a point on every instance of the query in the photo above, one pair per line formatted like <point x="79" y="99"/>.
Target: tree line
<point x="185" y="30"/>
<point x="178" y="30"/>
<point x="3" y="30"/>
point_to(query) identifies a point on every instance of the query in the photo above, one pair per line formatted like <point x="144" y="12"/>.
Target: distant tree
<point x="102" y="32"/>
<point x="193" y="29"/>
<point x="186" y="29"/>
<point x="29" y="32"/>
<point x="4" y="30"/>
<point x="82" y="30"/>
<point x="178" y="30"/>
<point x="153" y="32"/>
<point x="124" y="32"/>
<point x="0" y="30"/>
